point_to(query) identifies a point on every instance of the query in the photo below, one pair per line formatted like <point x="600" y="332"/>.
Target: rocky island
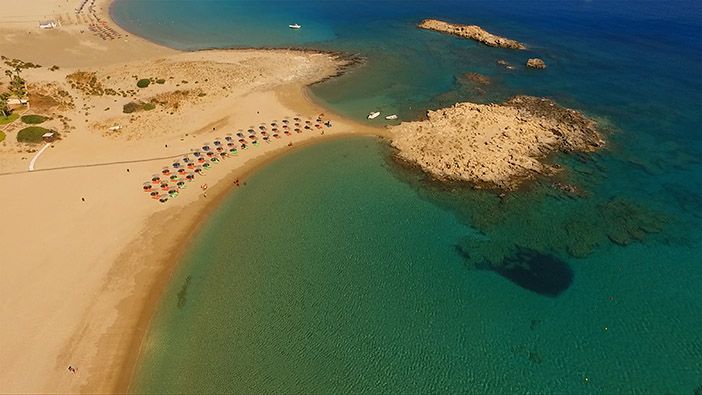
<point x="472" y="32"/>
<point x="494" y="145"/>
<point x="536" y="63"/>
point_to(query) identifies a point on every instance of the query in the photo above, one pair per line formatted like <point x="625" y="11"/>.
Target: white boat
<point x="391" y="117"/>
<point x="373" y="115"/>
<point x="294" y="26"/>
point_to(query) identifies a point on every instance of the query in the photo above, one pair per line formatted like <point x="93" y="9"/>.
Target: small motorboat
<point x="391" y="117"/>
<point x="294" y="26"/>
<point x="373" y="115"/>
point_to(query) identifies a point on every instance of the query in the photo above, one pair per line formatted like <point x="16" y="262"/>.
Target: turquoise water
<point x="335" y="270"/>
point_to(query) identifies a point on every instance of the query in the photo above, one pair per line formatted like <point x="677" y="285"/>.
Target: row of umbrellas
<point x="172" y="179"/>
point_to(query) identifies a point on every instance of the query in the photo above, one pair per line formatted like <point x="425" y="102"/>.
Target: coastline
<point x="104" y="334"/>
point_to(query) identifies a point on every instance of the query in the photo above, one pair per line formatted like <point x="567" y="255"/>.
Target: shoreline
<point x="200" y="211"/>
<point x="189" y="226"/>
<point x="132" y="266"/>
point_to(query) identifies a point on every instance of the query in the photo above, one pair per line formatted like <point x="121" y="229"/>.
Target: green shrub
<point x="31" y="134"/>
<point x="33" y="119"/>
<point x="143" y="83"/>
<point x="8" y="119"/>
<point x="148" y="106"/>
<point x="160" y="81"/>
<point x="2" y="136"/>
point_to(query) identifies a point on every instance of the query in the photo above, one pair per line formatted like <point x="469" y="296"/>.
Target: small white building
<point x="48" y="25"/>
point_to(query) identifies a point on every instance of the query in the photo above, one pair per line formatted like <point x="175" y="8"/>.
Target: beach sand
<point x="80" y="279"/>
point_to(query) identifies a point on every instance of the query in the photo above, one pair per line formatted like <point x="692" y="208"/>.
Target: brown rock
<point x="472" y="32"/>
<point x="536" y="63"/>
<point x="494" y="145"/>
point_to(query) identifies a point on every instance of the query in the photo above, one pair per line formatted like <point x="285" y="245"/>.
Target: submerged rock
<point x="494" y="145"/>
<point x="536" y="63"/>
<point x="472" y="32"/>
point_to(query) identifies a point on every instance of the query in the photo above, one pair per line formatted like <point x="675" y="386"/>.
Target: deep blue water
<point x="627" y="254"/>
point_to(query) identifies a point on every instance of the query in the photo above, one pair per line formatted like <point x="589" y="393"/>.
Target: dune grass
<point x="10" y="118"/>
<point x="2" y="137"/>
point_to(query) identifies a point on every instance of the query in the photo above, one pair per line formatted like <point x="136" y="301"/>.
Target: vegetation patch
<point x="160" y="81"/>
<point x="137" y="106"/>
<point x="10" y="118"/>
<point x="86" y="82"/>
<point x="32" y="134"/>
<point x="143" y="83"/>
<point x="2" y="137"/>
<point x="34" y="119"/>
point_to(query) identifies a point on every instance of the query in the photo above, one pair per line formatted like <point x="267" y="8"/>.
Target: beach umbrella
<point x="205" y="165"/>
<point x="297" y="118"/>
<point x="243" y="146"/>
<point x="285" y="121"/>
<point x="173" y="192"/>
<point x="166" y="171"/>
<point x="155" y="179"/>
<point x="190" y="177"/>
<point x="251" y="131"/>
<point x="224" y="154"/>
<point x="164" y="186"/>
<point x="205" y="147"/>
<point x="186" y="159"/>
<point x="181" y="184"/>
<point x="163" y="198"/>
<point x="217" y="143"/>
<point x="228" y="138"/>
<point x="240" y="135"/>
<point x="308" y="122"/>
<point x="261" y="127"/>
<point x="230" y="144"/>
<point x="197" y="154"/>
<point x="252" y="137"/>
<point x="198" y="170"/>
<point x="210" y="154"/>
<point x="147" y="187"/>
<point x="298" y="130"/>
<point x="255" y="142"/>
<point x="176" y="165"/>
<point x="181" y="171"/>
<point x="200" y="159"/>
<point x="276" y="135"/>
<point x="173" y="177"/>
<point x="220" y="149"/>
<point x="154" y="194"/>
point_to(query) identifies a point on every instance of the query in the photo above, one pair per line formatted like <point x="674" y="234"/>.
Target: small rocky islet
<point x="495" y="146"/>
<point x="472" y="32"/>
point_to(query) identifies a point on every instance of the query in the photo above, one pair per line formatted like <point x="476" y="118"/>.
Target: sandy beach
<point x="85" y="253"/>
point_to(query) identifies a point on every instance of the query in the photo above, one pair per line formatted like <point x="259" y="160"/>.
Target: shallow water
<point x="361" y="276"/>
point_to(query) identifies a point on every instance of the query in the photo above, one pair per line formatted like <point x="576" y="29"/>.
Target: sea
<point x="336" y="269"/>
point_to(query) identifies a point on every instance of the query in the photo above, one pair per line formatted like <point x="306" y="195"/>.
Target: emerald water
<point x="330" y="272"/>
<point x="336" y="270"/>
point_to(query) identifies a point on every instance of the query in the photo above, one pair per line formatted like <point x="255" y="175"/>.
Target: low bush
<point x="143" y="83"/>
<point x="137" y="106"/>
<point x="2" y="136"/>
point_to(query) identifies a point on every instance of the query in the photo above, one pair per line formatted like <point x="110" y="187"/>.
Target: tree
<point x="3" y="105"/>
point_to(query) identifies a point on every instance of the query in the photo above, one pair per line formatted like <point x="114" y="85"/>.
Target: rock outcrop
<point x="494" y="145"/>
<point x="536" y="63"/>
<point x="472" y="32"/>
